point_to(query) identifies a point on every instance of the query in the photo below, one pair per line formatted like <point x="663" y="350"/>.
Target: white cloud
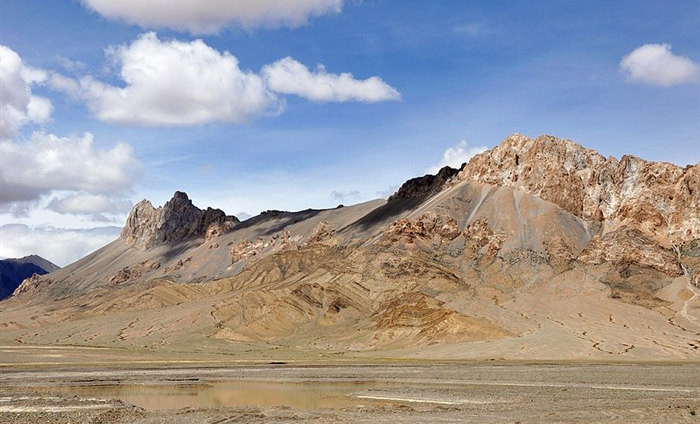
<point x="89" y="204"/>
<point x="59" y="245"/>
<point x="655" y="64"/>
<point x="288" y="76"/>
<point x="186" y="83"/>
<point x="455" y="156"/>
<point x="208" y="16"/>
<point x="173" y="83"/>
<point x="47" y="162"/>
<point x="18" y="105"/>
<point x="32" y="169"/>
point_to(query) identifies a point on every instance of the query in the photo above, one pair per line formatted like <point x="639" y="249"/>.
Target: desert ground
<point x="64" y="384"/>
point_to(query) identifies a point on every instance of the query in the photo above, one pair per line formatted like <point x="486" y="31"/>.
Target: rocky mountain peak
<point x="659" y="199"/>
<point x="176" y="221"/>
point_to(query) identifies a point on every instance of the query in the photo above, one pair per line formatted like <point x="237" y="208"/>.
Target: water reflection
<point x="309" y="395"/>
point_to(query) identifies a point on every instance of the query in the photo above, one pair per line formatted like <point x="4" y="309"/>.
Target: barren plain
<point x="83" y="385"/>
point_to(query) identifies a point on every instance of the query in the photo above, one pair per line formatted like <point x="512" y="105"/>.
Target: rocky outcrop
<point x="321" y="233"/>
<point x="247" y="249"/>
<point x="32" y="284"/>
<point x="427" y="227"/>
<point x="661" y="200"/>
<point x="424" y="186"/>
<point x="135" y="272"/>
<point x="176" y="221"/>
<point x="626" y="245"/>
<point x="481" y="240"/>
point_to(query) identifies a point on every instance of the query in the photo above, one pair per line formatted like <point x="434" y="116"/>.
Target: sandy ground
<point x="119" y="387"/>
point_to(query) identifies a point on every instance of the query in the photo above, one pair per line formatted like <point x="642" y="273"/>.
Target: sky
<point x="250" y="105"/>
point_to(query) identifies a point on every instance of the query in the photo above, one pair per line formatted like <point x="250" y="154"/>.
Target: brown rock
<point x="323" y="231"/>
<point x="134" y="272"/>
<point x="481" y="240"/>
<point x="659" y="199"/>
<point x="628" y="245"/>
<point x="32" y="284"/>
<point x="426" y="227"/>
<point x="178" y="220"/>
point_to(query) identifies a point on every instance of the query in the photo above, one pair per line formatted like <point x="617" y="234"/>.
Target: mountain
<point x="14" y="271"/>
<point x="535" y="249"/>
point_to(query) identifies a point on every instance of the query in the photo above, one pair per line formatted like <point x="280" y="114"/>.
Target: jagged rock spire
<point x="176" y="221"/>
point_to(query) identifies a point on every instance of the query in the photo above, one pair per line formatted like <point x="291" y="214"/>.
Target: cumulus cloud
<point x="61" y="246"/>
<point x="455" y="156"/>
<point x="288" y="76"/>
<point x="94" y="179"/>
<point x="209" y="16"/>
<point x="186" y="83"/>
<point x="172" y="83"/>
<point x="655" y="64"/>
<point x="18" y="106"/>
<point x="47" y="162"/>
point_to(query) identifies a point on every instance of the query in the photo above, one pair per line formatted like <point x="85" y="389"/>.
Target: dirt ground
<point x="58" y="385"/>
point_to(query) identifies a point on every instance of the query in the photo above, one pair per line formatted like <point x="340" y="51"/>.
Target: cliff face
<point x="661" y="200"/>
<point x="178" y="220"/>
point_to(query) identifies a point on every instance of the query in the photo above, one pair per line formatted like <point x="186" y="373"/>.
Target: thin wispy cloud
<point x="343" y="196"/>
<point x="474" y="29"/>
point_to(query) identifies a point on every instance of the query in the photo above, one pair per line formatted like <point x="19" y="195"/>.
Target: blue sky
<point x="465" y="71"/>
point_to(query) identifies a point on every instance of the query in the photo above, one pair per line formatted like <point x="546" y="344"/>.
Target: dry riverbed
<point x="213" y="391"/>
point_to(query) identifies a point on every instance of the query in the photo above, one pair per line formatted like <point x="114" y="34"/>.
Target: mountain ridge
<point x="493" y="257"/>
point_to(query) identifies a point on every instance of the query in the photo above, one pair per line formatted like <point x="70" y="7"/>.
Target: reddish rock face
<point x="427" y="227"/>
<point x="627" y="245"/>
<point x="661" y="200"/>
<point x="178" y="220"/>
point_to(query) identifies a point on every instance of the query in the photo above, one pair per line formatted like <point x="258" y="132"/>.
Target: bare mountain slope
<point x="495" y="260"/>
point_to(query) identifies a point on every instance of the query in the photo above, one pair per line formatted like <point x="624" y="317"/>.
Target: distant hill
<point x="14" y="271"/>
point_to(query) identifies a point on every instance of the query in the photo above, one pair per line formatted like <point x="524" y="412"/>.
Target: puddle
<point x="308" y="395"/>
